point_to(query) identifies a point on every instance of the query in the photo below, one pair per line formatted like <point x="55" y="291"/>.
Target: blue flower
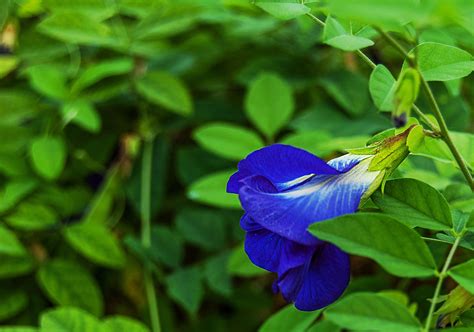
<point x="283" y="190"/>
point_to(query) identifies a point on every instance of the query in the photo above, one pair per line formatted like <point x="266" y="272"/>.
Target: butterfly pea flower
<point x="284" y="189"/>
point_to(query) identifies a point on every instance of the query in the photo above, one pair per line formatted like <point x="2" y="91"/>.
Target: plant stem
<point x="145" y="203"/>
<point x="359" y="52"/>
<point x="441" y="277"/>
<point x="445" y="133"/>
<point x="436" y="111"/>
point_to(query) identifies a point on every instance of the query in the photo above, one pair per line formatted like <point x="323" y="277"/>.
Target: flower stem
<point x="445" y="133"/>
<point x="145" y="203"/>
<point x="436" y="110"/>
<point x="441" y="277"/>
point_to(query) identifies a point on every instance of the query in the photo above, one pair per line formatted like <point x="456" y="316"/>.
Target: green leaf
<point x="240" y="265"/>
<point x="15" y="191"/>
<point x="14" y="266"/>
<point x="48" y="155"/>
<point x="391" y="14"/>
<point x="283" y="9"/>
<point x="415" y="204"/>
<point x="167" y="246"/>
<point x="397" y="248"/>
<point x="83" y="114"/>
<point x="216" y="274"/>
<point x="336" y="36"/>
<point x="185" y="287"/>
<point x="165" y="90"/>
<point x="8" y="63"/>
<point x="31" y="216"/>
<point x="69" y="284"/>
<point x="464" y="275"/>
<point x="269" y="103"/>
<point x="48" y="80"/>
<point x="104" y="69"/>
<point x="4" y="13"/>
<point x="18" y="329"/>
<point x="368" y="311"/>
<point x="68" y="320"/>
<point x="12" y="303"/>
<point x="382" y="87"/>
<point x="9" y="244"/>
<point x="460" y="197"/>
<point x="439" y="62"/>
<point x="349" y="90"/>
<point x="123" y="323"/>
<point x="289" y="319"/>
<point x="98" y="9"/>
<point x="17" y="106"/>
<point x="227" y="140"/>
<point x="324" y="326"/>
<point x="73" y="27"/>
<point x="202" y="227"/>
<point x="211" y="190"/>
<point x="96" y="243"/>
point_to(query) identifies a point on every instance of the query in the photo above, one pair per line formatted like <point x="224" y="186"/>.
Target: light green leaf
<point x="12" y="303"/>
<point x="73" y="27"/>
<point x="324" y="325"/>
<point x="48" y="80"/>
<point x="415" y="204"/>
<point x="464" y="275"/>
<point x="240" y="265"/>
<point x="269" y="103"/>
<point x="165" y="90"/>
<point x="9" y="244"/>
<point x="439" y="62"/>
<point x="336" y="36"/>
<point x="185" y="287"/>
<point x="368" y="311"/>
<point x="8" y="63"/>
<point x="283" y="9"/>
<point x="66" y="319"/>
<point x="382" y="87"/>
<point x="18" y="329"/>
<point x="391" y="14"/>
<point x="211" y="190"/>
<point x="227" y="140"/>
<point x="83" y="114"/>
<point x="48" y="155"/>
<point x="98" y="9"/>
<point x="289" y="319"/>
<point x="397" y="248"/>
<point x="123" y="323"/>
<point x="100" y="71"/>
<point x="15" y="191"/>
<point x="31" y="216"/>
<point x="69" y="284"/>
<point x="97" y="243"/>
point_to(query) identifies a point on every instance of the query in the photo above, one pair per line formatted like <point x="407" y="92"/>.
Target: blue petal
<point x="289" y="213"/>
<point x="319" y="282"/>
<point x="272" y="252"/>
<point x="283" y="165"/>
<point x="346" y="162"/>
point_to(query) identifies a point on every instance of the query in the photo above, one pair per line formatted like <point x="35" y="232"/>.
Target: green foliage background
<point x="104" y="104"/>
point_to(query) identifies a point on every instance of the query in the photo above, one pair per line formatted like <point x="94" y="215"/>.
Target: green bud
<point x="406" y="93"/>
<point x="458" y="301"/>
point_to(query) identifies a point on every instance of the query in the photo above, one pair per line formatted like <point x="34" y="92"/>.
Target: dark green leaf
<point x="185" y="287"/>
<point x="12" y="303"/>
<point x="9" y="243"/>
<point x="31" y="216"/>
<point x="167" y="246"/>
